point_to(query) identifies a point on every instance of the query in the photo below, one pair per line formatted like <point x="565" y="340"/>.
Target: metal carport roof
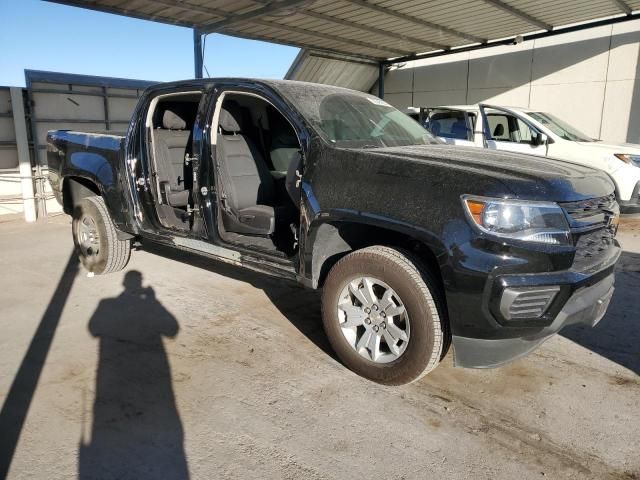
<point x="374" y="32"/>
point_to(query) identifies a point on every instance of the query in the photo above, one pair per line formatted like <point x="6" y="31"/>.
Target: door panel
<point x="506" y="131"/>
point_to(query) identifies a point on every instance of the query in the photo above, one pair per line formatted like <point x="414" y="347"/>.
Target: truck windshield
<point x="560" y="128"/>
<point x="353" y="120"/>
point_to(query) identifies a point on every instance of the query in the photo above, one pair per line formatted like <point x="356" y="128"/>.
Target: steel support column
<point x="24" y="159"/>
<point x="381" y="80"/>
<point x="197" y="53"/>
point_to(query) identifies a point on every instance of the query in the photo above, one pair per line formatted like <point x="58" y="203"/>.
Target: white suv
<point x="537" y="133"/>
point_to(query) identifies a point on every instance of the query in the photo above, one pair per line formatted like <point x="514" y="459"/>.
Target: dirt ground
<point x="170" y="371"/>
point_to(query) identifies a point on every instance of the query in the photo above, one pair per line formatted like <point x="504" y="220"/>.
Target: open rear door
<point x="505" y="129"/>
<point x="450" y="125"/>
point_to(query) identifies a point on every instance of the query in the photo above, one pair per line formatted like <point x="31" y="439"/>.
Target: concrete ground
<point x="169" y="370"/>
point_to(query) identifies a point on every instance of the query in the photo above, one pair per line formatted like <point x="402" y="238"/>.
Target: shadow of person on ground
<point x="136" y="431"/>
<point x="617" y="336"/>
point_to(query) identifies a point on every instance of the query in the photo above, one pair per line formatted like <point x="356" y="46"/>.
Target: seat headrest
<point x="498" y="131"/>
<point x="230" y="118"/>
<point x="171" y="121"/>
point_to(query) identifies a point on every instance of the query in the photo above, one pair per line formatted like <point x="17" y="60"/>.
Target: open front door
<point x="505" y="129"/>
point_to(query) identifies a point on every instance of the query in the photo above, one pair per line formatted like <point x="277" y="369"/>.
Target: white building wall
<point x="588" y="78"/>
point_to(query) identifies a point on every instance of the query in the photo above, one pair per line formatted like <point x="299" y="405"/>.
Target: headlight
<point x="540" y="222"/>
<point x="628" y="158"/>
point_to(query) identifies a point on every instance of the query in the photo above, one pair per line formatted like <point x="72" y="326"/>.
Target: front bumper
<point x="587" y="305"/>
<point x="584" y="297"/>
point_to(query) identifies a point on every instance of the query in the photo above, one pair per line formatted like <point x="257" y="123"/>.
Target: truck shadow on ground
<point x="136" y="431"/>
<point x="300" y="306"/>
<point x="18" y="399"/>
<point x="617" y="335"/>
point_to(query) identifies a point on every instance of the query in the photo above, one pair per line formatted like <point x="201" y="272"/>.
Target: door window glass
<point x="499" y="127"/>
<point x="449" y="124"/>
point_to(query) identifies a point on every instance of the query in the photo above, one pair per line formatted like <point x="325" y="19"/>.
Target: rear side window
<point x="450" y="124"/>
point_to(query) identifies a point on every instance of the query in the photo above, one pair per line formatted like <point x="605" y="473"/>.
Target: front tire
<point x="381" y="313"/>
<point x="96" y="239"/>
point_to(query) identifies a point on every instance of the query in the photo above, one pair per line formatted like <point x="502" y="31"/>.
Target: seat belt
<point x="262" y="144"/>
<point x="222" y="196"/>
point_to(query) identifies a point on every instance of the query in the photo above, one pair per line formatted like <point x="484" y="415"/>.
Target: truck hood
<point x="514" y="175"/>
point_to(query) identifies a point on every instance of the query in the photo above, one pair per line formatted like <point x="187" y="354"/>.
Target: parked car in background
<point x="537" y="133"/>
<point x="414" y="244"/>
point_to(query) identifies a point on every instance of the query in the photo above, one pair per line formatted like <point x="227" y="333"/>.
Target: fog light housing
<point x="526" y="302"/>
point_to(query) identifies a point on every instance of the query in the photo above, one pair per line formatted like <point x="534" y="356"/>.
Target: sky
<point x="39" y="35"/>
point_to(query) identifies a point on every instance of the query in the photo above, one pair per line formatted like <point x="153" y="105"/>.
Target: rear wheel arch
<point x="74" y="189"/>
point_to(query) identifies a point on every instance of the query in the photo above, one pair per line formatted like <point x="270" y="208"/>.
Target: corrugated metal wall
<point x="10" y="185"/>
<point x="58" y="101"/>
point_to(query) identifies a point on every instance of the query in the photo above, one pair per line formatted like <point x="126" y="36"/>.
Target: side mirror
<point x="540" y="139"/>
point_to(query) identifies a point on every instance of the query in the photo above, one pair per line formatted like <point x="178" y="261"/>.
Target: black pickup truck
<point x="415" y="244"/>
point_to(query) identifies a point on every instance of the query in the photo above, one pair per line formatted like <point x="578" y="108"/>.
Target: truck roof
<point x="203" y="82"/>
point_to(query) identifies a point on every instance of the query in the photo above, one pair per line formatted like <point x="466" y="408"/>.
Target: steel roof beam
<point x="520" y="14"/>
<point x="335" y="38"/>
<point x="341" y="58"/>
<point x="621" y="4"/>
<point x="193" y="8"/>
<point x="266" y="9"/>
<point x="377" y="31"/>
<point x="310" y="46"/>
<point x="417" y="21"/>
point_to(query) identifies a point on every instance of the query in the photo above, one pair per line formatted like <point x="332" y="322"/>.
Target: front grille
<point x="591" y="246"/>
<point x="586" y="209"/>
<point x="594" y="224"/>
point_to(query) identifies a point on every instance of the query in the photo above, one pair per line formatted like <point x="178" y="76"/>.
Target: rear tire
<point x="403" y="312"/>
<point x="96" y="239"/>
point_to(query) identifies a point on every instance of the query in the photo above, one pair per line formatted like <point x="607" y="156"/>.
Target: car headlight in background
<point x="628" y="158"/>
<point x="540" y="222"/>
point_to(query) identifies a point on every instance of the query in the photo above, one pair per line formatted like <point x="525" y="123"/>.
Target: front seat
<point x="498" y="132"/>
<point x="171" y="143"/>
<point x="283" y="149"/>
<point x="247" y="185"/>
